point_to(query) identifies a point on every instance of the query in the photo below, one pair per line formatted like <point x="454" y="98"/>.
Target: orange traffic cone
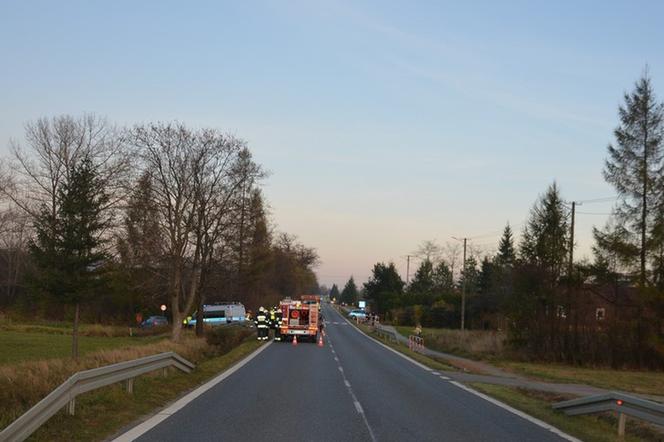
<point x="295" y="340"/>
<point x="320" y="340"/>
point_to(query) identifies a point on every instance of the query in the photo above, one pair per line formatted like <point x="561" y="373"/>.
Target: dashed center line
<point x="358" y="407"/>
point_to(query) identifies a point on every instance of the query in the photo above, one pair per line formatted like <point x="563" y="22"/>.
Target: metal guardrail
<point x="84" y="381"/>
<point x="622" y="404"/>
<point x="387" y="334"/>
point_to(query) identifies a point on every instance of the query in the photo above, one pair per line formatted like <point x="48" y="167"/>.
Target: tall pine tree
<point x="506" y="253"/>
<point x="68" y="250"/>
<point x="349" y="294"/>
<point x="635" y="166"/>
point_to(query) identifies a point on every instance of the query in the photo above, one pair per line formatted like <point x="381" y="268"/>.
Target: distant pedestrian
<point x="262" y="322"/>
<point x="278" y="316"/>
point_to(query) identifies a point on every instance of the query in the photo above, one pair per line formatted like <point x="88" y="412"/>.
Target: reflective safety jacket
<point x="278" y="316"/>
<point x="273" y="318"/>
<point x="261" y="320"/>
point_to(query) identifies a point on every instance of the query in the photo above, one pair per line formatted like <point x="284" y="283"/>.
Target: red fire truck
<point x="299" y="318"/>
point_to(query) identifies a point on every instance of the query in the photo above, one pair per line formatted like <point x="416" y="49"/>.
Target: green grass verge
<point x="20" y="346"/>
<point x="102" y="413"/>
<point x="644" y="382"/>
<point x="636" y="381"/>
<point x="603" y="428"/>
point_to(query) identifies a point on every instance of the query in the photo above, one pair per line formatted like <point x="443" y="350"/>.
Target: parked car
<point x="359" y="314"/>
<point x="154" y="321"/>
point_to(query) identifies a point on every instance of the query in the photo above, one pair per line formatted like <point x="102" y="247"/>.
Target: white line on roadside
<point x="358" y="407"/>
<point x="341" y="369"/>
<point x="347" y="383"/>
<point x="475" y="392"/>
<point x="519" y="413"/>
<point x="445" y="378"/>
<point x="164" y="414"/>
<point x="336" y="359"/>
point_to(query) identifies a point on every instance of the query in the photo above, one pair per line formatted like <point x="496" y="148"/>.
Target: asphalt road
<point x="352" y="389"/>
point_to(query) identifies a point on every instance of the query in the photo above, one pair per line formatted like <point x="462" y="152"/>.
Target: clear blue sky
<point x="383" y="123"/>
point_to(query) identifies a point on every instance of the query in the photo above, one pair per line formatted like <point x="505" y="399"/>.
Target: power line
<point x="605" y="199"/>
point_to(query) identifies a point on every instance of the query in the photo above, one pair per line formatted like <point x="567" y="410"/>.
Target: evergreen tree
<point x="423" y="280"/>
<point x="545" y="238"/>
<point x="635" y="166"/>
<point x="470" y="276"/>
<point x="443" y="279"/>
<point x="506" y="253"/>
<point x="349" y="294"/>
<point x="384" y="287"/>
<point x="68" y="250"/>
<point x="334" y="292"/>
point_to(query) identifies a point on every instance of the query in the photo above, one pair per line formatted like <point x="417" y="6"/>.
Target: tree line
<point x="607" y="310"/>
<point x="109" y="222"/>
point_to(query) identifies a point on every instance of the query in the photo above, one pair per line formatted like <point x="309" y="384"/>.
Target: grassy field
<point x="644" y="382"/>
<point x="471" y="343"/>
<point x="18" y="346"/>
<point x="587" y="428"/>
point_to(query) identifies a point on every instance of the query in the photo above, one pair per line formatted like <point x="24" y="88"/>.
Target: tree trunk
<point x="74" y="336"/>
<point x="200" y="317"/>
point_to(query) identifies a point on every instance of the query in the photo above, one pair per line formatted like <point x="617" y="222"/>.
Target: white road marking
<point x="358" y="407"/>
<point x="164" y="414"/>
<point x="435" y="373"/>
<point x="356" y="403"/>
<point x="445" y="378"/>
<point x="519" y="413"/>
<point x="477" y="393"/>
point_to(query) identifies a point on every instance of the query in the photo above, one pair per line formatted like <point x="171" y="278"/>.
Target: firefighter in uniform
<point x="273" y="319"/>
<point x="278" y="316"/>
<point x="262" y="322"/>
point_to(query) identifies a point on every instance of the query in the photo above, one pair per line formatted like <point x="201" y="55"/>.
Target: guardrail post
<point x="621" y="424"/>
<point x="164" y="372"/>
<point x="71" y="407"/>
<point x="129" y="385"/>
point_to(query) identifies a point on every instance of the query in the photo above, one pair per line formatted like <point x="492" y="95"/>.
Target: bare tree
<point x="194" y="175"/>
<point x="429" y="250"/>
<point x="452" y="255"/>
<point x="54" y="146"/>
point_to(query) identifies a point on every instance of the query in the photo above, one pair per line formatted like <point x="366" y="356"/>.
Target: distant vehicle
<point x="360" y="314"/>
<point x="300" y="318"/>
<point x="219" y="314"/>
<point x="154" y="321"/>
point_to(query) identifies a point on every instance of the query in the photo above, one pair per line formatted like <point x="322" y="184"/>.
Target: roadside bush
<point x="225" y="338"/>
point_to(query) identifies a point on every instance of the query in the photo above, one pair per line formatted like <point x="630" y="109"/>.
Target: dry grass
<point x="93" y="330"/>
<point x="478" y="343"/>
<point x="23" y="384"/>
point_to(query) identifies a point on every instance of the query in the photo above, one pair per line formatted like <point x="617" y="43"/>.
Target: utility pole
<point x="463" y="289"/>
<point x="571" y="242"/>
<point x="407" y="268"/>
